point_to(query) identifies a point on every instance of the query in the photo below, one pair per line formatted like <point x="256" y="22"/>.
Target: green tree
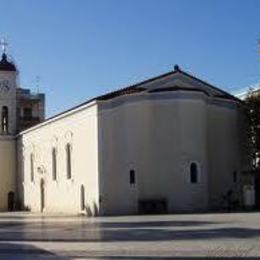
<point x="252" y="103"/>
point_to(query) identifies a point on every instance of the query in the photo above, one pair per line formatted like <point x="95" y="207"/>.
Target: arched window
<point x="54" y="163"/>
<point x="4" y="122"/>
<point x="82" y="197"/>
<point x="32" y="166"/>
<point x="42" y="190"/>
<point x="194" y="173"/>
<point x="132" y="177"/>
<point x="68" y="160"/>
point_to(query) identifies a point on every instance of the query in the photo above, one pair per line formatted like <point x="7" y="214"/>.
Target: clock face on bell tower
<point x="4" y="86"/>
<point x="8" y="72"/>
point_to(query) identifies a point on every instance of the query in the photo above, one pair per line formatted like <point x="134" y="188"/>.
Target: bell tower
<point x="8" y="77"/>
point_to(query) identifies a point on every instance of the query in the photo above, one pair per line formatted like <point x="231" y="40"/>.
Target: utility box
<point x="249" y="196"/>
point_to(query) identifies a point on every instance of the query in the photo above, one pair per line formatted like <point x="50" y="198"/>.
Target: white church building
<point x="168" y="144"/>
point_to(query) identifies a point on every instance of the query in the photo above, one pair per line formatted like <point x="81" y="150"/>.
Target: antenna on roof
<point x="37" y="80"/>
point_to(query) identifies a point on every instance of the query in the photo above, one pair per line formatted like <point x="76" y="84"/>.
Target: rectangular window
<point x="132" y="177"/>
<point x="194" y="173"/>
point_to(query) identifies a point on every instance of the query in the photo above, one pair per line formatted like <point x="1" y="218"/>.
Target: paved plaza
<point x="191" y="236"/>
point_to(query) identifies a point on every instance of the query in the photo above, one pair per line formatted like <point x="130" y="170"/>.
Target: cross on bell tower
<point x="3" y="44"/>
<point x="5" y="63"/>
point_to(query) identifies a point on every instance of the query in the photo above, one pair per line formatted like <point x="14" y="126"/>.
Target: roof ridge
<point x="138" y="88"/>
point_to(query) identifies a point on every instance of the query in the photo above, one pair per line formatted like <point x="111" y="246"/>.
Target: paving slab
<point x="187" y="236"/>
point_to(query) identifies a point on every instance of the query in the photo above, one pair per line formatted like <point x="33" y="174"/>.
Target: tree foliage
<point x="252" y="103"/>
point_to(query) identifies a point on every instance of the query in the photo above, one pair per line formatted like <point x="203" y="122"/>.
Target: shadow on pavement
<point x="101" y="224"/>
<point x="114" y="235"/>
<point x="25" y="251"/>
<point x="153" y="224"/>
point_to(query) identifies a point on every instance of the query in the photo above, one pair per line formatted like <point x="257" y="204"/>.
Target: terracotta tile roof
<point x="138" y="88"/>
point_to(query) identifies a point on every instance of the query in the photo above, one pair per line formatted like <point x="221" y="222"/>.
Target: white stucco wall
<point x="224" y="151"/>
<point x="62" y="195"/>
<point x="158" y="136"/>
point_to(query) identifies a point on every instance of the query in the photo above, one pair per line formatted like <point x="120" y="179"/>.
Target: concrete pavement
<point x="191" y="236"/>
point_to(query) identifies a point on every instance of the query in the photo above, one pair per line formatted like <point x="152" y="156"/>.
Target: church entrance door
<point x="42" y="195"/>
<point x="10" y="201"/>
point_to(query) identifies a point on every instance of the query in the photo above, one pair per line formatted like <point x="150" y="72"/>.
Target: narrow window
<point x="82" y="197"/>
<point x="42" y="189"/>
<point x="54" y="163"/>
<point x="68" y="158"/>
<point x="27" y="113"/>
<point x="32" y="166"/>
<point x="132" y="177"/>
<point x="193" y="173"/>
<point x="4" y="119"/>
<point x="235" y="177"/>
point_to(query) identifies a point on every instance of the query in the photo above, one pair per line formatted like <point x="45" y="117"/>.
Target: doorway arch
<point x="10" y="201"/>
<point x="42" y="195"/>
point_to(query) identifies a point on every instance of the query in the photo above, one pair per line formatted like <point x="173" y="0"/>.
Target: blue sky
<point x="83" y="48"/>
